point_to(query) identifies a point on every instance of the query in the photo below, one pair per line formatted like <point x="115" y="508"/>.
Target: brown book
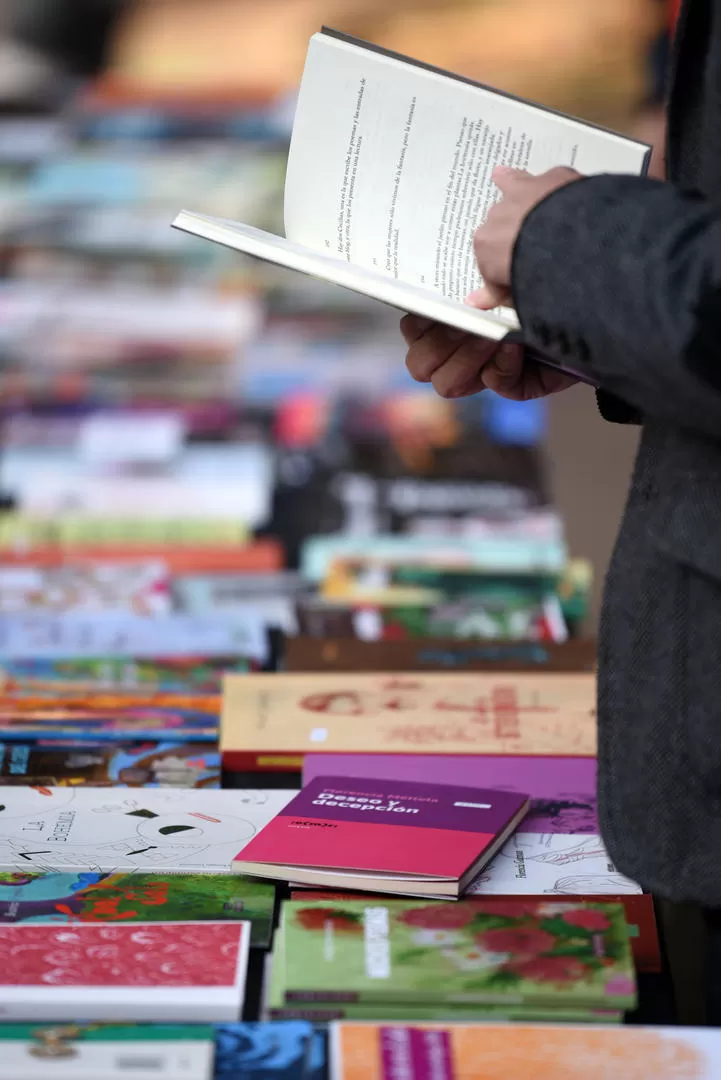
<point x="427" y="654"/>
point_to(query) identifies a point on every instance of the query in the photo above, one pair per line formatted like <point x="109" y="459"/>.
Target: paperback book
<point x="138" y="897"/>
<point x="180" y="674"/>
<point x="134" y="765"/>
<point x="151" y="974"/>
<point x="61" y="829"/>
<point x="387" y="836"/>
<point x="542" y="955"/>
<point x="504" y="1052"/>
<point x="281" y="1050"/>
<point x="87" y="1051"/>
<point x="273" y="721"/>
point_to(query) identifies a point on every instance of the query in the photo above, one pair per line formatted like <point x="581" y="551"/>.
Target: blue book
<point x="278" y="1050"/>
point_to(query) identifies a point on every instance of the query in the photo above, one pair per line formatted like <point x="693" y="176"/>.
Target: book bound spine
<point x="251" y="761"/>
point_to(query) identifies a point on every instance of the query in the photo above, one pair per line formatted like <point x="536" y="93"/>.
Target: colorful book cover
<point x="150" y="974"/>
<point x="572" y="955"/>
<point x="407" y="713"/>
<point x="138" y="898"/>
<point x="141" y="588"/>
<point x="180" y="674"/>
<point x="135" y="765"/>
<point x="551" y="863"/>
<point x="562" y="790"/>
<point x="106" y="1051"/>
<point x="505" y="1052"/>
<point x="277" y="1050"/>
<point x="58" y="829"/>
<point x="389" y="832"/>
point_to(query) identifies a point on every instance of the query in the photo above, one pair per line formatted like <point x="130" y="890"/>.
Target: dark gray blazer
<point x="621" y="277"/>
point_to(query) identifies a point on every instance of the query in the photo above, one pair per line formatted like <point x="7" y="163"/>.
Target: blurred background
<point x="158" y="392"/>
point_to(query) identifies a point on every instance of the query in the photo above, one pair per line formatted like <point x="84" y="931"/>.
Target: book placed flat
<point x="390" y="174"/>
<point x="182" y="674"/>
<point x="106" y="1051"/>
<point x="387" y="836"/>
<point x="158" y="973"/>
<point x="541" y="955"/>
<point x="144" y="764"/>
<point x="138" y="897"/>
<point x="111" y="829"/>
<point x="505" y="1052"/>
<point x="285" y="1050"/>
<point x="272" y="721"/>
<point x="562" y="790"/>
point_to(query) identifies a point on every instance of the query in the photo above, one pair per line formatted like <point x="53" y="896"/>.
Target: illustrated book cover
<point x="279" y="1050"/>
<point x="392" y="836"/>
<point x="130" y="764"/>
<point x="110" y="830"/>
<point x="152" y="974"/>
<point x="282" y="717"/>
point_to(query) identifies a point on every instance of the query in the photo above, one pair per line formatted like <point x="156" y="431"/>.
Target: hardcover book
<point x="388" y="836"/>
<point x="106" y="1051"/>
<point x="562" y="790"/>
<point x="281" y="1050"/>
<point x="138" y="898"/>
<point x="281" y="717"/>
<point x="540" y="955"/>
<point x="159" y="830"/>
<point x="390" y="173"/>
<point x="135" y="765"/>
<point x="504" y="1052"/>
<point x="147" y="974"/>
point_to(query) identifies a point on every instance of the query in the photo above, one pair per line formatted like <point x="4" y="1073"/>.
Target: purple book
<point x="562" y="790"/>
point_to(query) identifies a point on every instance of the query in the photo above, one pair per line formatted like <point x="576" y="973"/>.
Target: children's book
<point x="280" y="1050"/>
<point x="562" y="790"/>
<point x="271" y="719"/>
<point x="182" y="674"/>
<point x="136" y="765"/>
<point x="506" y="1051"/>
<point x="387" y="836"/>
<point x="97" y="830"/>
<point x="541" y="955"/>
<point x="87" y="1051"/>
<point x="138" y="897"/>
<point x="156" y="973"/>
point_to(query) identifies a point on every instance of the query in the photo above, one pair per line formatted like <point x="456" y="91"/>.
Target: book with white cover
<point x="108" y="829"/>
<point x="389" y="175"/>
<point x="556" y="863"/>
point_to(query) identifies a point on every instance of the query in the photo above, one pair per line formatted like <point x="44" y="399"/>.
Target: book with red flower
<point x="542" y="954"/>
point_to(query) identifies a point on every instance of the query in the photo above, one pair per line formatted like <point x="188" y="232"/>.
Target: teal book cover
<point x="559" y="954"/>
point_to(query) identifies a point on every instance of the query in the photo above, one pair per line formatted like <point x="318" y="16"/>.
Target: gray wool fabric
<point x="621" y="277"/>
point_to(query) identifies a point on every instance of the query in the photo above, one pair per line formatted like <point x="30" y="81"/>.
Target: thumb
<point x="506" y="178"/>
<point x="488" y="297"/>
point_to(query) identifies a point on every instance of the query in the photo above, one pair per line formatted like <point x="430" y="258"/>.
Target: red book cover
<point x="388" y="828"/>
<point x="159" y="972"/>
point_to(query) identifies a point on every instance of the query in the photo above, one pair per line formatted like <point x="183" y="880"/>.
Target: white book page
<point x="390" y="164"/>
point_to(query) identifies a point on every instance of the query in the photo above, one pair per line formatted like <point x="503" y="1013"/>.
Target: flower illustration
<point x="439" y="916"/>
<point x="475" y="958"/>
<point x="619" y="985"/>
<point x="318" y="918"/>
<point x="510" y="909"/>
<point x="551" y="969"/>
<point x="436" y="937"/>
<point x="520" y="941"/>
<point x="586" y="919"/>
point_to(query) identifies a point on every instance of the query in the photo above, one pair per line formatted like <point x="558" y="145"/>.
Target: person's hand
<point x="459" y="364"/>
<point x="495" y="239"/>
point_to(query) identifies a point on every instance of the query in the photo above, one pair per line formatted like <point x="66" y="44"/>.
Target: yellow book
<point x="288" y="715"/>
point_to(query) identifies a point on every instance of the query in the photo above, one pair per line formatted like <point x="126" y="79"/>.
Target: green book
<point x="562" y="955"/>
<point x="316" y="1012"/>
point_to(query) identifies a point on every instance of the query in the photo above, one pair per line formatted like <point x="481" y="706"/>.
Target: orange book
<point x="278" y="718"/>
<point x="262" y="556"/>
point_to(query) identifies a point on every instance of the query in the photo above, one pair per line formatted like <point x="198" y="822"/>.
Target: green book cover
<point x="559" y="954"/>
<point x="138" y="897"/>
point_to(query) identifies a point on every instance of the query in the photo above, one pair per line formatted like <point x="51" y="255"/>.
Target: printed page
<point x="390" y="163"/>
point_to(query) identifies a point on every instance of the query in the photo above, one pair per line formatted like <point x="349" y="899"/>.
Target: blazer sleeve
<point x="620" y="277"/>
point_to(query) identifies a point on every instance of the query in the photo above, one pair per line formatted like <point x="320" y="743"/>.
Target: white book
<point x="102" y="830"/>
<point x="557" y="863"/>
<point x="389" y="175"/>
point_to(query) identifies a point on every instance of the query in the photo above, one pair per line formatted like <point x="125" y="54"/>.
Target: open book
<point x="389" y="175"/>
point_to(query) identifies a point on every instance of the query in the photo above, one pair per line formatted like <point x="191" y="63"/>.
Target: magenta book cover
<point x="562" y="790"/>
<point x="385" y="826"/>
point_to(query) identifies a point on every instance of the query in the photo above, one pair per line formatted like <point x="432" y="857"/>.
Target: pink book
<point x="159" y="972"/>
<point x="384" y="836"/>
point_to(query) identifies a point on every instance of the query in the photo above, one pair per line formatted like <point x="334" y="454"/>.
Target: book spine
<point x="345" y="997"/>
<point x="245" y="761"/>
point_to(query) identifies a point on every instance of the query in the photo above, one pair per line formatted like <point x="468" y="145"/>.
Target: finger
<point x="463" y="367"/>
<point x="432" y="350"/>
<point x="504" y="372"/>
<point x="414" y="327"/>
<point x="488" y="297"/>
